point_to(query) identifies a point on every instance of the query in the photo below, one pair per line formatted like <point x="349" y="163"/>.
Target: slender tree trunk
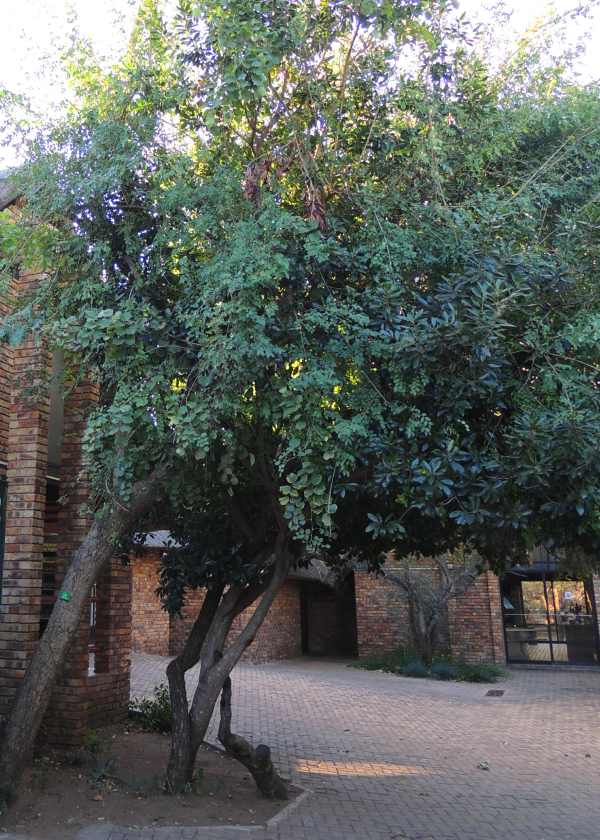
<point x="48" y="660"/>
<point x="180" y="769"/>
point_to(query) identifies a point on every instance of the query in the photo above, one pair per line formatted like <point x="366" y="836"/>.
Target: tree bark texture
<point x="47" y="662"/>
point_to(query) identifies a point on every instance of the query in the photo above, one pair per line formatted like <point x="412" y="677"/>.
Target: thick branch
<point x="257" y="761"/>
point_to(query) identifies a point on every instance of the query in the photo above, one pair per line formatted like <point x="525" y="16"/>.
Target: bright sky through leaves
<point x="33" y="30"/>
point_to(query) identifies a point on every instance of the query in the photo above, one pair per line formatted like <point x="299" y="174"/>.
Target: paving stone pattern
<point x="388" y="757"/>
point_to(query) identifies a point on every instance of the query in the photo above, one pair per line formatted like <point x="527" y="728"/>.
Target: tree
<point x="324" y="266"/>
<point x="428" y="593"/>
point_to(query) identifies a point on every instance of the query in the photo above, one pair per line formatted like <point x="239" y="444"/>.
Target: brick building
<point x="40" y="462"/>
<point x="531" y="615"/>
<point x="315" y="616"/>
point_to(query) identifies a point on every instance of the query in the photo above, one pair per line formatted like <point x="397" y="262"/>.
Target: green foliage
<point x="333" y="273"/>
<point x="153" y="714"/>
<point x="415" y="669"/>
<point x="483" y="672"/>
<point x="407" y="664"/>
<point x="93" y="742"/>
<point x="445" y="671"/>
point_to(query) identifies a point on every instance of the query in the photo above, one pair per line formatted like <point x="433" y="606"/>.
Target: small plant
<point x="102" y="771"/>
<point x="416" y="668"/>
<point x="154" y="715"/>
<point x="484" y="672"/>
<point x="445" y="671"/>
<point x="93" y="742"/>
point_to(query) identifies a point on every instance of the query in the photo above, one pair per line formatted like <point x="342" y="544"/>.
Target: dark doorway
<point x="549" y="618"/>
<point x="329" y="619"/>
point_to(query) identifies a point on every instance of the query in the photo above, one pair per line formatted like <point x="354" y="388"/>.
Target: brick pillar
<point x="475" y="622"/>
<point x="67" y="718"/>
<point x="108" y="686"/>
<point x="27" y="455"/>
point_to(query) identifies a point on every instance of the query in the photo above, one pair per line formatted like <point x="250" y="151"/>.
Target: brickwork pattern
<point x="181" y="625"/>
<point x="279" y="637"/>
<point x="390" y="758"/>
<point x="150" y="623"/>
<point x="382" y="621"/>
<point x="27" y="454"/>
<point x="475" y="621"/>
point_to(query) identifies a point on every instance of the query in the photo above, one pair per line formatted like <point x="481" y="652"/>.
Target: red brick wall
<point x="182" y="624"/>
<point x="475" y="622"/>
<point x="278" y="638"/>
<point x="86" y="697"/>
<point x="151" y="624"/>
<point x="27" y="450"/>
<point x="280" y="635"/>
<point x="382" y="622"/>
<point x="474" y="630"/>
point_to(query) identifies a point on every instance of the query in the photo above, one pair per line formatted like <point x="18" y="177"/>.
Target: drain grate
<point x="494" y="692"/>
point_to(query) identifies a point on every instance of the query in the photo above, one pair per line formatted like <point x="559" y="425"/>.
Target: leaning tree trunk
<point x="190" y="727"/>
<point x="46" y="664"/>
<point x="257" y="761"/>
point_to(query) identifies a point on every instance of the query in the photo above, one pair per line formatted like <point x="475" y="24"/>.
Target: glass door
<point x="548" y="619"/>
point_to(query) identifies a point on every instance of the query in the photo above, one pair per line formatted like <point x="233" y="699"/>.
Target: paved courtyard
<point x="390" y="758"/>
<point x="386" y="757"/>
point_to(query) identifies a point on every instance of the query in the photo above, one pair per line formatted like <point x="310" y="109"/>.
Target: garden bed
<point x="408" y="664"/>
<point x="119" y="780"/>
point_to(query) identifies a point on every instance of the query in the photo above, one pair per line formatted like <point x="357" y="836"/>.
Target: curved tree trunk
<point x="190" y="727"/>
<point x="47" y="662"/>
<point x="181" y="760"/>
<point x="257" y="761"/>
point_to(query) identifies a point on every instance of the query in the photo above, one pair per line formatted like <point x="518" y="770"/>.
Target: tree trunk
<point x="182" y="757"/>
<point x="190" y="727"/>
<point x="257" y="761"/>
<point x="47" y="662"/>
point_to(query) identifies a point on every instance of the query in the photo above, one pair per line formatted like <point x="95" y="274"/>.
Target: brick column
<point x="27" y="455"/>
<point x="67" y="718"/>
<point x="475" y="622"/>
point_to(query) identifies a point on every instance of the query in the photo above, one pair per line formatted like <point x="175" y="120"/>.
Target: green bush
<point x="445" y="670"/>
<point x="408" y="664"/>
<point x="154" y="715"/>
<point x="485" y="672"/>
<point x="393" y="663"/>
<point x="93" y="742"/>
<point x="416" y="668"/>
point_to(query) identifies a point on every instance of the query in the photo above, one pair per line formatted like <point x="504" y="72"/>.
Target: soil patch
<point x="122" y="783"/>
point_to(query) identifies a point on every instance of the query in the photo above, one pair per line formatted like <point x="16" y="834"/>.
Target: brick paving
<point x="391" y="758"/>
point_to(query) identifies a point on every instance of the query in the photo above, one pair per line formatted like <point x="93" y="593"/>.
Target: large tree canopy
<point x="335" y="273"/>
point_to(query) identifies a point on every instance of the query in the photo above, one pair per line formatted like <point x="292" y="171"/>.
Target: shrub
<point x="93" y="742"/>
<point x="154" y="715"/>
<point x="485" y="672"/>
<point x="393" y="663"/>
<point x="416" y="668"/>
<point x="445" y="671"/>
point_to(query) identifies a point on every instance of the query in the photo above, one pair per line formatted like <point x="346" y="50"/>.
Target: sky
<point x="31" y="30"/>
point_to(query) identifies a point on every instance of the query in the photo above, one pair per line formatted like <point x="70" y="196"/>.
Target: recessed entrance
<point x="548" y="618"/>
<point x="328" y="616"/>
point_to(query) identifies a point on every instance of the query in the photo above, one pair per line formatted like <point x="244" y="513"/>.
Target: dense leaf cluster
<point x="335" y="273"/>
